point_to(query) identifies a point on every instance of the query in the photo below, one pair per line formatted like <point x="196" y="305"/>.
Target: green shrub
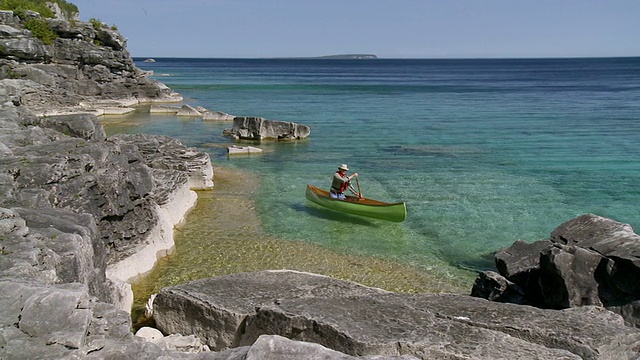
<point x="41" y="30"/>
<point x="11" y="74"/>
<point x="39" y="6"/>
<point x="20" y="6"/>
<point x="97" y="24"/>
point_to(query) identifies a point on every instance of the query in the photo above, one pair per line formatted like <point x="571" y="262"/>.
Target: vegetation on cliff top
<point x="39" y="6"/>
<point x="39" y="27"/>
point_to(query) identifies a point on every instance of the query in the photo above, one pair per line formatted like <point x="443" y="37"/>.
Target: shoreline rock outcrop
<point x="85" y="68"/>
<point x="77" y="209"/>
<point x="588" y="260"/>
<point x="235" y="310"/>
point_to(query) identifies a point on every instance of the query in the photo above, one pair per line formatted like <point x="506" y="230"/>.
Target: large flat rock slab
<point x="235" y="310"/>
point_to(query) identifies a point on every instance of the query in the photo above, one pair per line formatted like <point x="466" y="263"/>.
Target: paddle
<point x="359" y="191"/>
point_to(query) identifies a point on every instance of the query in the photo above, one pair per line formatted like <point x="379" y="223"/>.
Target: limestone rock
<point x="589" y="260"/>
<point x="72" y="203"/>
<point x="569" y="276"/>
<point x="216" y="116"/>
<point x="163" y="109"/>
<point x="187" y="110"/>
<point x="20" y="47"/>
<point x="96" y="60"/>
<point x="149" y="333"/>
<point x="84" y="126"/>
<point x="58" y="315"/>
<point x="165" y="153"/>
<point x="10" y="31"/>
<point x="256" y="128"/>
<point x="231" y="307"/>
<point x="243" y="150"/>
<point x="236" y="310"/>
<point x="273" y="347"/>
<point x="185" y="344"/>
<point x="493" y="286"/>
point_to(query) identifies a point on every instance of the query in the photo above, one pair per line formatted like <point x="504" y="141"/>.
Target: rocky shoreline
<point x="82" y="213"/>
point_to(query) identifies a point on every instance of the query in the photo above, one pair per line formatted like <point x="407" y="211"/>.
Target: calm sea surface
<point x="484" y="152"/>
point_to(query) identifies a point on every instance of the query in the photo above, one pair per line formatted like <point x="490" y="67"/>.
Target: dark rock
<point x="493" y="286"/>
<point x="520" y="264"/>
<point x="568" y="277"/>
<point x="589" y="260"/>
<point x="518" y="260"/>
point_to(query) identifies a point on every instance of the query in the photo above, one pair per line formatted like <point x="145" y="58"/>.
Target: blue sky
<point x="386" y="28"/>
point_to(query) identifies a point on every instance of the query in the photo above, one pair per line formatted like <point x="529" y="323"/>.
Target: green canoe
<point x="353" y="205"/>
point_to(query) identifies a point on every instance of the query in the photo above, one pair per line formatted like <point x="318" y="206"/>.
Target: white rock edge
<point x="160" y="240"/>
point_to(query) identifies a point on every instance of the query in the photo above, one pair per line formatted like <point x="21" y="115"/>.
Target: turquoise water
<point x="484" y="152"/>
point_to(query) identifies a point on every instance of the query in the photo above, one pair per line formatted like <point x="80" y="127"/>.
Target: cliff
<point x="80" y="213"/>
<point x="85" y="67"/>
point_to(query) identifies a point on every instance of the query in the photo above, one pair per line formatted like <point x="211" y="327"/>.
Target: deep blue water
<point x="484" y="152"/>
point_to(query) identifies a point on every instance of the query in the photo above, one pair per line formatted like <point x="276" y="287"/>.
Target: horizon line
<point x="328" y="57"/>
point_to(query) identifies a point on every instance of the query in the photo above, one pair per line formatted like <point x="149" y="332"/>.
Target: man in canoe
<point x="341" y="182"/>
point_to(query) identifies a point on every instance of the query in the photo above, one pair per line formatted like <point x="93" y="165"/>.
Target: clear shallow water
<point x="484" y="152"/>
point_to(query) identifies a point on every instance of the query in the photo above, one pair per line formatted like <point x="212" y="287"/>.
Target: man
<point x="341" y="182"/>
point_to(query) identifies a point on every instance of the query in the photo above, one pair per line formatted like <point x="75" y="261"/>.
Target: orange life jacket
<point x="343" y="186"/>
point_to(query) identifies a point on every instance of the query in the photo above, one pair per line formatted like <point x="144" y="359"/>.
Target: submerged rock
<point x="243" y="150"/>
<point x="208" y="115"/>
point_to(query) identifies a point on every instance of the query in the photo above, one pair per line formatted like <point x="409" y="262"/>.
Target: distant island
<point x="347" y="56"/>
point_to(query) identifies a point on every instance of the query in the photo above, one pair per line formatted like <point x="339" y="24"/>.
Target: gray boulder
<point x="589" y="260"/>
<point x="162" y="153"/>
<point x="493" y="286"/>
<point x="14" y="44"/>
<point x="83" y="126"/>
<point x="256" y="128"/>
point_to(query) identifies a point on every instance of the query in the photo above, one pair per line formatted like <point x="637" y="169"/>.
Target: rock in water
<point x="257" y="128"/>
